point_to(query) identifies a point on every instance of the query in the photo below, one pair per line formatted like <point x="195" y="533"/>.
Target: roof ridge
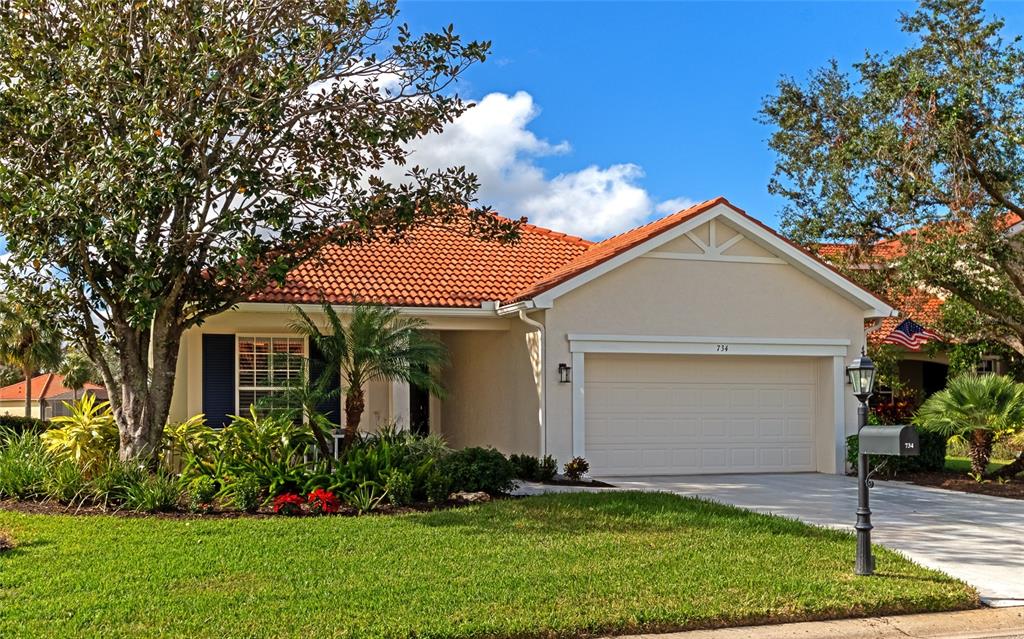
<point x="526" y="225"/>
<point x="664" y="220"/>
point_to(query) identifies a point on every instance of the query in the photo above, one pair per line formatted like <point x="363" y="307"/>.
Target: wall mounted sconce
<point x="564" y="373"/>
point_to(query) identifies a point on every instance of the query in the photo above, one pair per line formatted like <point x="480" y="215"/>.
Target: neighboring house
<point x="703" y="342"/>
<point x="923" y="369"/>
<point x="48" y="396"/>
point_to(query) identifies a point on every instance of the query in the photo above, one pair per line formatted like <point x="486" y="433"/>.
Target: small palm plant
<point x="978" y="408"/>
<point x="377" y="344"/>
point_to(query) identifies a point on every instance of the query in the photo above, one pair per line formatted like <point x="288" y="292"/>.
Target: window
<point x="988" y="366"/>
<point x="267" y="366"/>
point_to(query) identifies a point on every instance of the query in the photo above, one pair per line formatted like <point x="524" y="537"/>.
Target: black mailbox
<point x="900" y="441"/>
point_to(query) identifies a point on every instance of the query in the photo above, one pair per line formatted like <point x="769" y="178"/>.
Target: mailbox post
<point x="862" y="377"/>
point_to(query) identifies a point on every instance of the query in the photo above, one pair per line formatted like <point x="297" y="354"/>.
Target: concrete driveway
<point x="976" y="538"/>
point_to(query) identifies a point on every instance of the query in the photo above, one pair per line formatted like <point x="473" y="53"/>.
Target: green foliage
<point x="548" y="468"/>
<point x="399" y="487"/>
<point x="23" y="465"/>
<point x="365" y="498"/>
<point x="153" y="493"/>
<point x="973" y="402"/>
<point x="202" y="490"/>
<point x="110" y="481"/>
<point x="377" y="343"/>
<point x="87" y="436"/>
<point x="244" y="492"/>
<point x="527" y="467"/>
<point x="77" y="369"/>
<point x="18" y="424"/>
<point x="931" y="456"/>
<point x="887" y="370"/>
<point x="576" y="468"/>
<point x="30" y="340"/>
<point x="65" y="482"/>
<point x="206" y="150"/>
<point x="438" y="487"/>
<point x="927" y="138"/>
<point x="478" y="469"/>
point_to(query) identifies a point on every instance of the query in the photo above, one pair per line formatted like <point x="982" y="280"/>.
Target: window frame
<point x="238" y="368"/>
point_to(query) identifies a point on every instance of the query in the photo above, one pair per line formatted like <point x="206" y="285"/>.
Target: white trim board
<point x="872" y="305"/>
<point x="720" y="345"/>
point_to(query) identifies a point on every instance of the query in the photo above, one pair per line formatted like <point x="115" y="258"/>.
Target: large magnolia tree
<point x="930" y="140"/>
<point x="163" y="160"/>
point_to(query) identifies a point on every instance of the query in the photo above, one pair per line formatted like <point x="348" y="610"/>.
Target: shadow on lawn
<point x="617" y="512"/>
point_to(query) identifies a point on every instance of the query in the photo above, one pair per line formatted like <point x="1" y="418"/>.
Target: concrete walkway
<point x="976" y="538"/>
<point x="1004" y="623"/>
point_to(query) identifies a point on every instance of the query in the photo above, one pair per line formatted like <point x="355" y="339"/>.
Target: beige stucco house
<point x="700" y="343"/>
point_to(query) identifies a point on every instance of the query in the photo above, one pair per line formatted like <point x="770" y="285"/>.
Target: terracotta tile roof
<point x="919" y="305"/>
<point x="432" y="266"/>
<point x="44" y="386"/>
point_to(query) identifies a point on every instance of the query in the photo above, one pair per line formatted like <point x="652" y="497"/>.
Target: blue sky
<point x="668" y="92"/>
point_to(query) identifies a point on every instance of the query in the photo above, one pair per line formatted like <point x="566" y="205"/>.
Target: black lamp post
<point x="862" y="377"/>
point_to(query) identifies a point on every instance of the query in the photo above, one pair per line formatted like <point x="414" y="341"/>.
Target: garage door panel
<point x="668" y="414"/>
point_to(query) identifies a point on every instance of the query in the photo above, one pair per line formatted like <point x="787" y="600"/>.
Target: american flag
<point x="911" y="334"/>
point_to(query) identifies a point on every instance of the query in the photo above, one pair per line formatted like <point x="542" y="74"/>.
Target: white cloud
<point x="676" y="204"/>
<point x="493" y="140"/>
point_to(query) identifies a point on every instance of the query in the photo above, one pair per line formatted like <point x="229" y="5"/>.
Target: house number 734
<point x="721" y="348"/>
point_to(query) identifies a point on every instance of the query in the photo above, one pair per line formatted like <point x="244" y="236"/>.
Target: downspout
<point x="543" y="384"/>
<point x="871" y="328"/>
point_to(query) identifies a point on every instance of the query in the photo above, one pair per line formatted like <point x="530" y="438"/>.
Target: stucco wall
<point x="668" y="297"/>
<point x="17" y="408"/>
<point x="493" y="398"/>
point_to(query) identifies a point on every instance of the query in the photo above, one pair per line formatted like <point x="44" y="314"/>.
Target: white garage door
<point x="683" y="414"/>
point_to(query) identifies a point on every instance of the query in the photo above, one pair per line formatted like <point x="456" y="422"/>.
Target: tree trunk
<point x="28" y="391"/>
<point x="146" y="386"/>
<point x="1010" y="470"/>
<point x="354" y="405"/>
<point x="981" y="450"/>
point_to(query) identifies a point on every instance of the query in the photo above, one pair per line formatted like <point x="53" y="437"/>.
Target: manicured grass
<point x="963" y="464"/>
<point x="560" y="565"/>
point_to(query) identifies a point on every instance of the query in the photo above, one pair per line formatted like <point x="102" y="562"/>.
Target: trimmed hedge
<point x="932" y="457"/>
<point x="20" y="424"/>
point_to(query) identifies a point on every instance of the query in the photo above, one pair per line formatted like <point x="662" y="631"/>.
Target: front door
<point x="419" y="410"/>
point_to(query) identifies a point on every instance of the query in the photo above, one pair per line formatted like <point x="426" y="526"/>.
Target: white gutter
<point x="542" y="413"/>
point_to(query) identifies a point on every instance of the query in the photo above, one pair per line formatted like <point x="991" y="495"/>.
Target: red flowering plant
<point x="288" y="504"/>
<point x="323" y="502"/>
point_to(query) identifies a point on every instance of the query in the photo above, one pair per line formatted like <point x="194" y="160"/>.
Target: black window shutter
<point x="218" y="378"/>
<point x="330" y="407"/>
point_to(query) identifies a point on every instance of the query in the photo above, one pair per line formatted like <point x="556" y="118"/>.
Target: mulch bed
<point x="55" y="508"/>
<point x="1012" y="489"/>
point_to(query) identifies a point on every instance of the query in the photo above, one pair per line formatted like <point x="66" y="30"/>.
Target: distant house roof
<point x="919" y="305"/>
<point x="45" y="386"/>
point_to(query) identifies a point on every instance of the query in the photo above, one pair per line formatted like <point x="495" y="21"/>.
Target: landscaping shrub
<point x="322" y="502"/>
<point x="64" y="482"/>
<point x="527" y="467"/>
<point x="288" y="504"/>
<point x="366" y="497"/>
<point x="23" y="465"/>
<point x="111" y="479"/>
<point x="153" y="493"/>
<point x="930" y="458"/>
<point x="399" y="488"/>
<point x="438" y="487"/>
<point x="244" y="493"/>
<point x="87" y="436"/>
<point x="548" y="468"/>
<point x="20" y="424"/>
<point x="479" y="469"/>
<point x="201" y="492"/>
<point x="576" y="468"/>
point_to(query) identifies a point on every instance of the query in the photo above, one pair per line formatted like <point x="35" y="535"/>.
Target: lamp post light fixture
<point x="564" y="373"/>
<point x="861" y="373"/>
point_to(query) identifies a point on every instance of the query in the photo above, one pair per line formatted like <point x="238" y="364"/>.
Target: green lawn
<point x="963" y="464"/>
<point x="560" y="565"/>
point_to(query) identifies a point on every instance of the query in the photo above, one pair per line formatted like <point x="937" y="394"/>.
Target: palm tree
<point x="377" y="344"/>
<point x="27" y="342"/>
<point x="77" y="369"/>
<point x="978" y="408"/>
